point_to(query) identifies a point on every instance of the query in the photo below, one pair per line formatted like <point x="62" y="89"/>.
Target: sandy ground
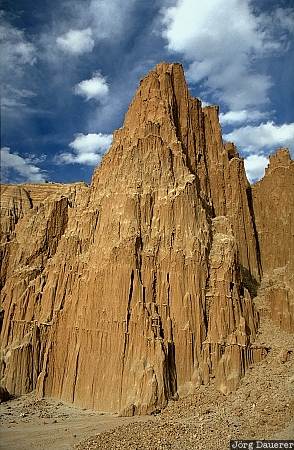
<point x="27" y="423"/>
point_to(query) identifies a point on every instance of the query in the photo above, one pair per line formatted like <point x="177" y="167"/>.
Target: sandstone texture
<point x="273" y="202"/>
<point x="139" y="288"/>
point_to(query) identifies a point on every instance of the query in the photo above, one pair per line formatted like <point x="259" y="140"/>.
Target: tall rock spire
<point x="146" y="292"/>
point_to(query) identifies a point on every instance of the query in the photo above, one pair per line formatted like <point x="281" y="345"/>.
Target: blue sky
<point x="70" y="68"/>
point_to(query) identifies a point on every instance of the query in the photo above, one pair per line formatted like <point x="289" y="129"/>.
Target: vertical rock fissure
<point x="1" y="318"/>
<point x="175" y="114"/>
<point x="211" y="206"/>
<point x="171" y="158"/>
<point x="126" y="331"/>
<point x="76" y="375"/>
<point x="252" y="214"/>
<point x="154" y="287"/>
<point x="168" y="290"/>
<point x="94" y="228"/>
<point x="171" y="370"/>
<point x="170" y="350"/>
<point x="245" y="232"/>
<point x="139" y="241"/>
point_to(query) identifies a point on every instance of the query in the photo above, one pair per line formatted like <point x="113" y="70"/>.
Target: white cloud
<point x="255" y="166"/>
<point x="15" y="101"/>
<point x="25" y="168"/>
<point x="15" y="49"/>
<point x="107" y="18"/>
<point x="96" y="87"/>
<point x="243" y="115"/>
<point x="83" y="23"/>
<point x="280" y="18"/>
<point x="204" y="103"/>
<point x="17" y="55"/>
<point x="87" y="149"/>
<point x="221" y="40"/>
<point x="85" y="143"/>
<point x="264" y="136"/>
<point x="76" y="42"/>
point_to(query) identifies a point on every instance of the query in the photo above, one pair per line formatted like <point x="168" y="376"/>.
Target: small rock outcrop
<point x="130" y="292"/>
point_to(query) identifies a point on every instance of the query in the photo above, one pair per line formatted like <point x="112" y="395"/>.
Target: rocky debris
<point x="125" y="294"/>
<point x="206" y="420"/>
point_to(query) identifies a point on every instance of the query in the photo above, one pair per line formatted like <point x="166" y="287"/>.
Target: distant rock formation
<point x="273" y="204"/>
<point x="124" y="294"/>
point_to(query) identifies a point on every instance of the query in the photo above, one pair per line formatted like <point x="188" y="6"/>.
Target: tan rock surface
<point x="273" y="202"/>
<point x="125" y="294"/>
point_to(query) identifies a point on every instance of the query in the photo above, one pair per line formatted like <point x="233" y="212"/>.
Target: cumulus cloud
<point x="221" y="40"/>
<point x="87" y="149"/>
<point x="241" y="116"/>
<point x="25" y="169"/>
<point x="76" y="42"/>
<point x="264" y="136"/>
<point x="94" y="88"/>
<point x="83" y="23"/>
<point x="255" y="166"/>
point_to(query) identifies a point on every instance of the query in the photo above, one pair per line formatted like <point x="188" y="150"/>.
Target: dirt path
<point x="27" y="423"/>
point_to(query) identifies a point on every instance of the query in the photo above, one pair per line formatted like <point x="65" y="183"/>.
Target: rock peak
<point x="161" y="98"/>
<point x="281" y="157"/>
<point x="168" y="67"/>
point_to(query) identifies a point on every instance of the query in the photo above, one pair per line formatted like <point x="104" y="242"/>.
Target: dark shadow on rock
<point x="4" y="395"/>
<point x="249" y="282"/>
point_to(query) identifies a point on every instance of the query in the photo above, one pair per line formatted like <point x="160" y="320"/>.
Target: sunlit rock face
<point x="273" y="201"/>
<point x="134" y="290"/>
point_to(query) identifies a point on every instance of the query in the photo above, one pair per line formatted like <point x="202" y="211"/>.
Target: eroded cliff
<point x="124" y="294"/>
<point x="273" y="203"/>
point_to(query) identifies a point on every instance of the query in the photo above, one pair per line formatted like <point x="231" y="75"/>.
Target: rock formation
<point x="273" y="204"/>
<point x="124" y="294"/>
